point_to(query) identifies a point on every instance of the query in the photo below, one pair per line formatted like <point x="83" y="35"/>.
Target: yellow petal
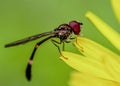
<point x="116" y="8"/>
<point x="86" y="65"/>
<point x="81" y="79"/>
<point x="92" y="49"/>
<point x="113" y="66"/>
<point x="105" y="29"/>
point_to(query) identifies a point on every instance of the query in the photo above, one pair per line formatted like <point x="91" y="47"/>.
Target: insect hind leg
<point x="29" y="65"/>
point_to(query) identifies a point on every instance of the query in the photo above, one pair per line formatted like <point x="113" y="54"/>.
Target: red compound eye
<point x="75" y="26"/>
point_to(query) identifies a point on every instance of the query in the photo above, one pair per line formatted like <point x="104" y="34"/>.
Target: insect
<point x="62" y="32"/>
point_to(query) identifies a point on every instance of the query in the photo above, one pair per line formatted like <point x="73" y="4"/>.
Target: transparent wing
<point x="31" y="38"/>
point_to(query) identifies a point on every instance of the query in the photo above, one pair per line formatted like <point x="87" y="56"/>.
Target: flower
<point x="97" y="65"/>
<point x="79" y="79"/>
<point x="97" y="61"/>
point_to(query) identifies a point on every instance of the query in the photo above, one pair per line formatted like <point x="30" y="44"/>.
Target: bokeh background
<point x="23" y="18"/>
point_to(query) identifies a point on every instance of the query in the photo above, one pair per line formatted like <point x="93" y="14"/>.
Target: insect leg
<point x="29" y="65"/>
<point x="55" y="43"/>
<point x="63" y="47"/>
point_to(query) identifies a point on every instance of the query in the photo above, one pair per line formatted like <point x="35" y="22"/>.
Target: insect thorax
<point x="63" y="31"/>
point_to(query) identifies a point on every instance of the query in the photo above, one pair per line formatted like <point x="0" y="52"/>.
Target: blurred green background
<point x="23" y="18"/>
